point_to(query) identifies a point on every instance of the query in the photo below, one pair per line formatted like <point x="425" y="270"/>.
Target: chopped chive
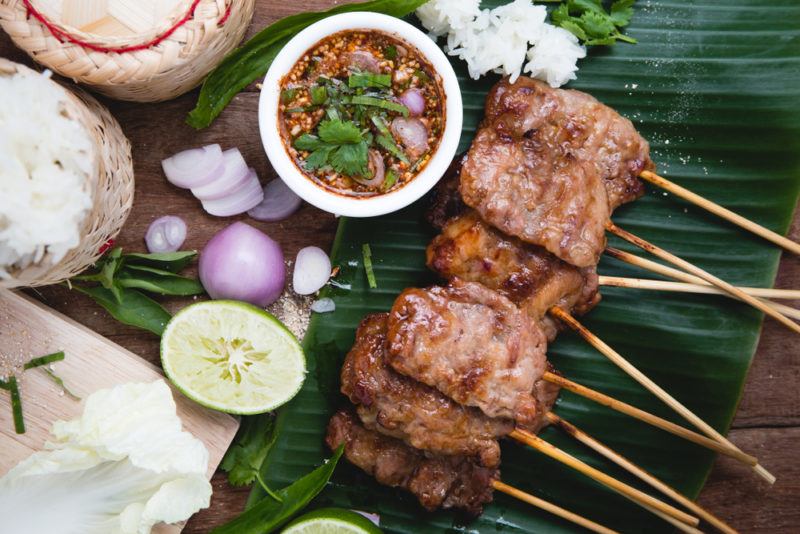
<point x="390" y="52"/>
<point x="388" y="144"/>
<point x="319" y="94"/>
<point x="60" y="383"/>
<point x="417" y="163"/>
<point x="367" y="254"/>
<point x="389" y="180"/>
<point x="364" y="100"/>
<point x="369" y="80"/>
<point x="299" y="110"/>
<point x="4" y="385"/>
<point x="16" y="405"/>
<point x="44" y="360"/>
<point x="287" y="95"/>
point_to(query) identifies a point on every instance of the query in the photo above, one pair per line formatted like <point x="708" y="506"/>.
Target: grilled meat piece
<point x="445" y="198"/>
<point x="570" y="122"/>
<point x="437" y="481"/>
<point x="546" y="394"/>
<point x="528" y="275"/>
<point x="401" y="407"/>
<point x="550" y="165"/>
<point x="472" y="344"/>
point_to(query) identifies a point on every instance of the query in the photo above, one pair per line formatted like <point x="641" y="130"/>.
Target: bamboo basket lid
<point x="140" y="50"/>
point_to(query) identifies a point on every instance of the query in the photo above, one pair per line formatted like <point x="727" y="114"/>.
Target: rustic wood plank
<point x="771" y="397"/>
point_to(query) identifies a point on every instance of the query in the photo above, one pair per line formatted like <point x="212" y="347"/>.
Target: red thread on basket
<point x="62" y="35"/>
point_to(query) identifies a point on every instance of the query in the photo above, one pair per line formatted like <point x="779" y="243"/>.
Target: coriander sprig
<point x="589" y="21"/>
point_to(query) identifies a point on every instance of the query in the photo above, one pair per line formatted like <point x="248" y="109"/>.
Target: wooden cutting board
<point x="29" y="329"/>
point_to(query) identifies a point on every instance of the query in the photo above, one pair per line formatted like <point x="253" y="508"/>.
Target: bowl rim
<point x="283" y="163"/>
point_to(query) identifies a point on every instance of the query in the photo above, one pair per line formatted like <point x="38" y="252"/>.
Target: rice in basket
<point x="48" y="172"/>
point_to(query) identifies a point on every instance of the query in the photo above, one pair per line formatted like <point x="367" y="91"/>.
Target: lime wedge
<point x="332" y="521"/>
<point x="233" y="357"/>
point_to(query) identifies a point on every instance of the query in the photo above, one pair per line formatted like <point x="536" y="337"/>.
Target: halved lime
<point x="332" y="521"/>
<point x="232" y="356"/>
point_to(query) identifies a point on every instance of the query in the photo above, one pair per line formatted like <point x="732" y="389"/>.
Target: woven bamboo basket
<point x="139" y="50"/>
<point x="112" y="192"/>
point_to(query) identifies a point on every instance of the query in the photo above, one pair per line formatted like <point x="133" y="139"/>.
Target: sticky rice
<point x="502" y="39"/>
<point x="47" y="172"/>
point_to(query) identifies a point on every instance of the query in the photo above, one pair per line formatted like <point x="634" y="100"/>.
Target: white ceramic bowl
<point x="304" y="186"/>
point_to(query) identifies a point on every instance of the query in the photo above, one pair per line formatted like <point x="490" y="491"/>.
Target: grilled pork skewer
<point x="437" y="481"/>
<point x="399" y="406"/>
<point x="549" y="166"/>
<point x="540" y="284"/>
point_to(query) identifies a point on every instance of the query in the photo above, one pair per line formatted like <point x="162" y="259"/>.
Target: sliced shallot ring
<point x="279" y="202"/>
<point x="233" y="176"/>
<point x="248" y="196"/>
<point x="194" y="167"/>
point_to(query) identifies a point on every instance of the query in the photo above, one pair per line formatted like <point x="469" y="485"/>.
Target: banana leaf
<point x="715" y="87"/>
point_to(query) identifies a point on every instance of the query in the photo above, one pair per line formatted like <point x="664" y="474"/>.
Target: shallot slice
<point x="378" y="169"/>
<point x="312" y="269"/>
<point x="325" y="305"/>
<point x="279" y="202"/>
<point x="165" y="234"/>
<point x="413" y="135"/>
<point x="412" y="99"/>
<point x="364" y="61"/>
<point x="241" y="200"/>
<point x="233" y="176"/>
<point x="194" y="167"/>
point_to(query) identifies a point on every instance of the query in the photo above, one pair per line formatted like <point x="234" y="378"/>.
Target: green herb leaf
<point x="60" y="383"/>
<point x="307" y="142"/>
<point x="319" y="158"/>
<point x="163" y="283"/>
<point x="351" y="160"/>
<point x="288" y="95"/>
<point x="622" y="12"/>
<point x="368" y="79"/>
<point x="585" y="6"/>
<point x="366" y="100"/>
<point x="169" y="261"/>
<point x="134" y="309"/>
<point x="597" y="26"/>
<point x="390" y="52"/>
<point x="251" y="445"/>
<point x="560" y="15"/>
<point x="250" y="61"/>
<point x="366" y="252"/>
<point x="16" y="405"/>
<point x="389" y="180"/>
<point x="319" y="94"/>
<point x="576" y="30"/>
<point x="268" y="515"/>
<point x="339" y="132"/>
<point x="388" y="143"/>
<point x="44" y="360"/>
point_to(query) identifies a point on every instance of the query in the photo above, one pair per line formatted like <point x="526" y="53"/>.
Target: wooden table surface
<point x="768" y="420"/>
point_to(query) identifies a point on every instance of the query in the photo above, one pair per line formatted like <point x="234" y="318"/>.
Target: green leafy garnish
<point x="250" y="61"/>
<point x="366" y="252"/>
<point x="123" y="277"/>
<point x="16" y="405"/>
<point x="386" y="140"/>
<point x="367" y="79"/>
<point x="44" y="360"/>
<point x="389" y="179"/>
<point x="287" y="95"/>
<point x="390" y="52"/>
<point x="340" y="145"/>
<point x="269" y="515"/>
<point x="252" y="444"/>
<point x="589" y="21"/>
<point x="366" y="100"/>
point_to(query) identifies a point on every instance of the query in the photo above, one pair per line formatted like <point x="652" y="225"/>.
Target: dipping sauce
<point x="361" y="113"/>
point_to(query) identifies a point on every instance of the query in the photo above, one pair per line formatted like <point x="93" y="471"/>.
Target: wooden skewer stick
<point x="647" y="417"/>
<point x="630" y="492"/>
<point x="698" y="285"/>
<point x="637" y="471"/>
<point x="552" y="508"/>
<point x="681" y="287"/>
<point x="718" y="210"/>
<point x="708" y="277"/>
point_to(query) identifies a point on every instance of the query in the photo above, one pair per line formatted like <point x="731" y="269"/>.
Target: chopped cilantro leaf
<point x="307" y="142"/>
<point x="590" y="22"/>
<point x="350" y="159"/>
<point x="367" y="79"/>
<point x="622" y="12"/>
<point x="389" y="180"/>
<point x="319" y="94"/>
<point x="339" y="132"/>
<point x="390" y="52"/>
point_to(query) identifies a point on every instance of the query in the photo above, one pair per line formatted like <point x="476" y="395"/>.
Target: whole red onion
<point x="242" y="263"/>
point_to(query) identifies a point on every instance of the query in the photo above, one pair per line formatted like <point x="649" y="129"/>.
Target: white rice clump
<point x="500" y="39"/>
<point x="46" y="173"/>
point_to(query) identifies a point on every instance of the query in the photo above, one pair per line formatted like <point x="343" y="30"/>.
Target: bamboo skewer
<point x="630" y="492"/>
<point x="552" y="508"/>
<point x="698" y="285"/>
<point x="718" y="210"/>
<point x="681" y="287"/>
<point x="685" y="265"/>
<point x="637" y="471"/>
<point x="650" y="419"/>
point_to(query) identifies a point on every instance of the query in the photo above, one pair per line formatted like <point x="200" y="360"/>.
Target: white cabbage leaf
<point x="122" y="467"/>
